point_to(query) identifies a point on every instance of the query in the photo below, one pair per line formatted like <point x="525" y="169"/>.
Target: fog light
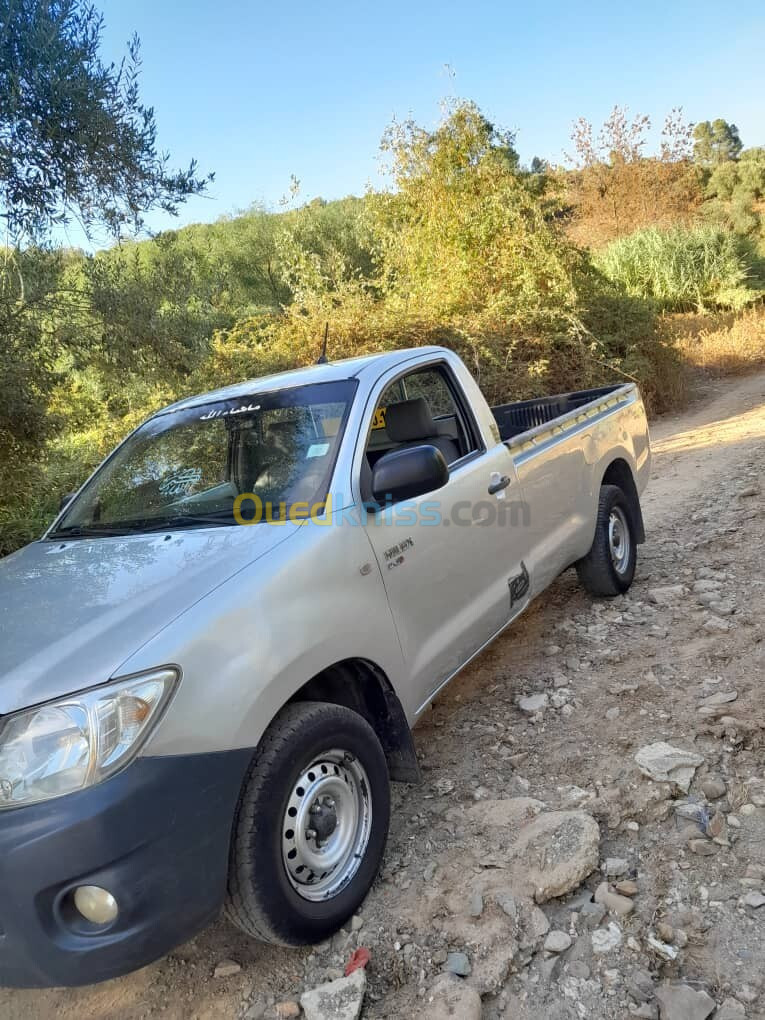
<point x="95" y="904"/>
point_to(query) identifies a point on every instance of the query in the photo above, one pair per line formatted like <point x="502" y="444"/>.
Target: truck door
<point x="450" y="560"/>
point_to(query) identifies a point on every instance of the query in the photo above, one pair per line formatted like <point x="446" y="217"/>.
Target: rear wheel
<point x="608" y="569"/>
<point x="311" y="825"/>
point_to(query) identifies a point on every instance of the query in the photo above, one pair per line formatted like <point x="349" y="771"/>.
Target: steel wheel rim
<point x="326" y="825"/>
<point x="619" y="543"/>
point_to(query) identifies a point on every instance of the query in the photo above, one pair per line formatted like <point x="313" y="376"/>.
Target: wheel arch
<point x="619" y="473"/>
<point x="362" y="686"/>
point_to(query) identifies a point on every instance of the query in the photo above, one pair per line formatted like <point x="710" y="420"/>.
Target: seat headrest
<point x="284" y="434"/>
<point x="282" y="428"/>
<point x="409" y="420"/>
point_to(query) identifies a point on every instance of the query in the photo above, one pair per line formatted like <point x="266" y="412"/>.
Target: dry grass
<point x="723" y="344"/>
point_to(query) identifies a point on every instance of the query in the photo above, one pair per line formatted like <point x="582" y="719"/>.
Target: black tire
<point x="261" y="899"/>
<point x="600" y="572"/>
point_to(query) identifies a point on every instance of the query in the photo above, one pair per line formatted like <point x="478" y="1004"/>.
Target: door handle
<point x="498" y="482"/>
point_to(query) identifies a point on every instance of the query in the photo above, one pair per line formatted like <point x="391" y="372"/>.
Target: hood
<point x="72" y="612"/>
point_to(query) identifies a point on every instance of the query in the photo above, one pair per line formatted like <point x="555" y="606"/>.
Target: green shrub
<point x="683" y="269"/>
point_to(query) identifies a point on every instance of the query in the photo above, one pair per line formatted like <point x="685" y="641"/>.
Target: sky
<point x="260" y="91"/>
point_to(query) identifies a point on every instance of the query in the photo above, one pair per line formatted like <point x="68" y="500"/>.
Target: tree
<point x="463" y="228"/>
<point x="616" y="188"/>
<point x="75" y="139"/>
<point x="157" y="305"/>
<point x="38" y="318"/>
<point x="736" y="189"/>
<point x="715" y="142"/>
<point x="751" y="168"/>
<point x="75" y="142"/>
<point x="248" y="246"/>
<point x="323" y="245"/>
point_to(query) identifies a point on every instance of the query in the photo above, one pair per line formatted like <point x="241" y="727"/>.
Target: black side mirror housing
<point x="406" y="474"/>
<point x="65" y="500"/>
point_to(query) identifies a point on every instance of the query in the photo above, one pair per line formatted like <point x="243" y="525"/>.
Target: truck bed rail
<point x="519" y="417"/>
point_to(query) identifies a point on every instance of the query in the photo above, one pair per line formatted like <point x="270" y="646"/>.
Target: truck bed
<point x="519" y="417"/>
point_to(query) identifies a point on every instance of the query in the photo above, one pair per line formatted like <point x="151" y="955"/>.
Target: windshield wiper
<point x="90" y="531"/>
<point x="143" y="525"/>
<point x="188" y="520"/>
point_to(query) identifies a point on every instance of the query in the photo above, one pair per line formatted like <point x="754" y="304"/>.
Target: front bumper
<point x="156" y="836"/>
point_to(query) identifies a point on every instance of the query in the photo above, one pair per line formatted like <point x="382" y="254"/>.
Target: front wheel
<point x="310" y="827"/>
<point x="608" y="569"/>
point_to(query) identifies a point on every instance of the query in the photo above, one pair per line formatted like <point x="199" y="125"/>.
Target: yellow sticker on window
<point x="378" y="422"/>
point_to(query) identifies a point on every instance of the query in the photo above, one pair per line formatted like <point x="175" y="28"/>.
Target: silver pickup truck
<point x="211" y="662"/>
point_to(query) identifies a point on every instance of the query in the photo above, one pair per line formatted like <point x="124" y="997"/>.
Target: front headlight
<point x="79" y="740"/>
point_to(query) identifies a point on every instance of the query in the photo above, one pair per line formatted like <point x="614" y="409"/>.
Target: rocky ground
<point x="589" y="838"/>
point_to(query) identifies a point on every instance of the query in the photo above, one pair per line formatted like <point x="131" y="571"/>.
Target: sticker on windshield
<point x="181" y="483"/>
<point x="317" y="449"/>
<point x="244" y="409"/>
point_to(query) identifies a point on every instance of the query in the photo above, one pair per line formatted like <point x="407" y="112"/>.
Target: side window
<point x="433" y="387"/>
<point x="421" y="408"/>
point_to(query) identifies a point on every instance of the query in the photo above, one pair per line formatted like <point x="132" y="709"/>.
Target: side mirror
<point x="65" y="500"/>
<point x="405" y="474"/>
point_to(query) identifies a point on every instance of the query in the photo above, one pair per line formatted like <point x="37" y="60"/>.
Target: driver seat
<point x="410" y="423"/>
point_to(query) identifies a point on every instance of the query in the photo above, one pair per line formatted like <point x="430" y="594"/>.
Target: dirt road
<point x="680" y="659"/>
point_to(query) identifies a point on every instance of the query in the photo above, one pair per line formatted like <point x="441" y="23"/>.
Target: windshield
<point x="187" y="467"/>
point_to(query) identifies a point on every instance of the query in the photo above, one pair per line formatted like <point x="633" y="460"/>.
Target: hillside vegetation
<point x="543" y="279"/>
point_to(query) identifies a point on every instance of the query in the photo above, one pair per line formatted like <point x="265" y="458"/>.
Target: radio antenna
<point x="323" y="356"/>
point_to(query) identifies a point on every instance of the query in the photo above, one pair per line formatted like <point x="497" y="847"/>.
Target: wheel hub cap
<point x="323" y="819"/>
<point x="619" y="540"/>
<point x="326" y="825"/>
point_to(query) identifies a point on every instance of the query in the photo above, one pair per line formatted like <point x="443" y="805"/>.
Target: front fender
<point x="247" y="647"/>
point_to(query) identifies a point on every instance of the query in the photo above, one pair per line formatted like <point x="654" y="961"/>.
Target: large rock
<point x="337" y="1000"/>
<point x="556" y="852"/>
<point x="544" y="854"/>
<point x="666" y="764"/>
<point x="452" y="999"/>
<point x="731" y="1009"/>
<point x="681" y="1002"/>
<point x="517" y="854"/>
